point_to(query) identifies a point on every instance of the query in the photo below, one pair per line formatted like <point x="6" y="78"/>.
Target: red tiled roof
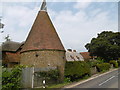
<point x="13" y="57"/>
<point x="86" y="55"/>
<point x="42" y="35"/>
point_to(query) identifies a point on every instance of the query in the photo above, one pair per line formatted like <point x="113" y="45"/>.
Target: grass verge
<point x="67" y="83"/>
<point x="59" y="85"/>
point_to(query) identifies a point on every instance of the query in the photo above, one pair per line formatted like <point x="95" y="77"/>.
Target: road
<point x="109" y="80"/>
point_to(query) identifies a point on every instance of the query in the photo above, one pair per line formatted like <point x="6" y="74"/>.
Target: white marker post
<point x="33" y="77"/>
<point x="43" y="83"/>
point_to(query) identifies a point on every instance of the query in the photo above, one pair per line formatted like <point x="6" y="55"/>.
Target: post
<point x="33" y="77"/>
<point x="44" y="84"/>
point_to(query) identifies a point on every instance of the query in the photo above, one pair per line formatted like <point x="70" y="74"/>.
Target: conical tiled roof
<point x="42" y="35"/>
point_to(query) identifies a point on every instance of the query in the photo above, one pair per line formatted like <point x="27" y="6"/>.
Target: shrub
<point x="115" y="64"/>
<point x="103" y="67"/>
<point x="118" y="62"/>
<point x="52" y="75"/>
<point x="93" y="63"/>
<point x="66" y="79"/>
<point x="76" y="70"/>
<point x="11" y="77"/>
<point x="100" y="60"/>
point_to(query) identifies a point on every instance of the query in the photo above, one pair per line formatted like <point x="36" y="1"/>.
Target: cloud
<point x="82" y="5"/>
<point x="74" y="28"/>
<point x="60" y="0"/>
<point x="18" y="21"/>
<point x="77" y="29"/>
<point x="0" y="9"/>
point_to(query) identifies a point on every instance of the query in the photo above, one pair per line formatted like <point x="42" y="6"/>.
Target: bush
<point x="11" y="77"/>
<point x="66" y="79"/>
<point x="115" y="64"/>
<point x="103" y="67"/>
<point x="51" y="75"/>
<point x="93" y="63"/>
<point x="100" y="60"/>
<point x="76" y="70"/>
<point x="118" y="62"/>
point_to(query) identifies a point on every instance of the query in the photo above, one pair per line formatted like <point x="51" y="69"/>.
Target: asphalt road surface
<point x="109" y="80"/>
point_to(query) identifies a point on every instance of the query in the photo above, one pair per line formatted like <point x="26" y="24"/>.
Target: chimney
<point x="70" y="50"/>
<point x="74" y="50"/>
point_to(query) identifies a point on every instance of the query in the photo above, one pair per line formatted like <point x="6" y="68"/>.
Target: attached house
<point x="72" y="55"/>
<point x="86" y="56"/>
<point x="11" y="53"/>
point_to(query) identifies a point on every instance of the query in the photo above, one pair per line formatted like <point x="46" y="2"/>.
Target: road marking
<point x="84" y="81"/>
<point x="106" y="80"/>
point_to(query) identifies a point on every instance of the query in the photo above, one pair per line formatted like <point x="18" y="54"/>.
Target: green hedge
<point x="115" y="64"/>
<point x="49" y="76"/>
<point x="76" y="70"/>
<point x="118" y="62"/>
<point x="103" y="67"/>
<point x="94" y="63"/>
<point x="11" y="77"/>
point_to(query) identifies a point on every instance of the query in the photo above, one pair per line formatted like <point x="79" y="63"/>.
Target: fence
<point x="30" y="79"/>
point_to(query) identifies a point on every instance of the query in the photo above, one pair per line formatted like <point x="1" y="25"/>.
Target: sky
<point x="76" y="22"/>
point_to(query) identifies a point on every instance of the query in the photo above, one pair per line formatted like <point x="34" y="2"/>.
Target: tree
<point x="11" y="78"/>
<point x="1" y="25"/>
<point x="106" y="45"/>
<point x="7" y="38"/>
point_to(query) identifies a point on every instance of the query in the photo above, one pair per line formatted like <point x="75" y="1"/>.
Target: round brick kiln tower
<point x="43" y="47"/>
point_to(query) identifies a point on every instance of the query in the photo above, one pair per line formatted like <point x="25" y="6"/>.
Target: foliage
<point x="115" y="64"/>
<point x="76" y="70"/>
<point x="103" y="67"/>
<point x="7" y="38"/>
<point x="105" y="46"/>
<point x="118" y="62"/>
<point x="94" y="63"/>
<point x="49" y="75"/>
<point x="56" y="86"/>
<point x="67" y="79"/>
<point x="100" y="60"/>
<point x="11" y="77"/>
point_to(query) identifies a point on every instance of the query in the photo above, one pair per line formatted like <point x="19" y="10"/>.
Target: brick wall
<point x="41" y="59"/>
<point x="10" y="59"/>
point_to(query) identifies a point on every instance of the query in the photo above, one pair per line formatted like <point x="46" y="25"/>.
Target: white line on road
<point x="81" y="82"/>
<point x="106" y="81"/>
